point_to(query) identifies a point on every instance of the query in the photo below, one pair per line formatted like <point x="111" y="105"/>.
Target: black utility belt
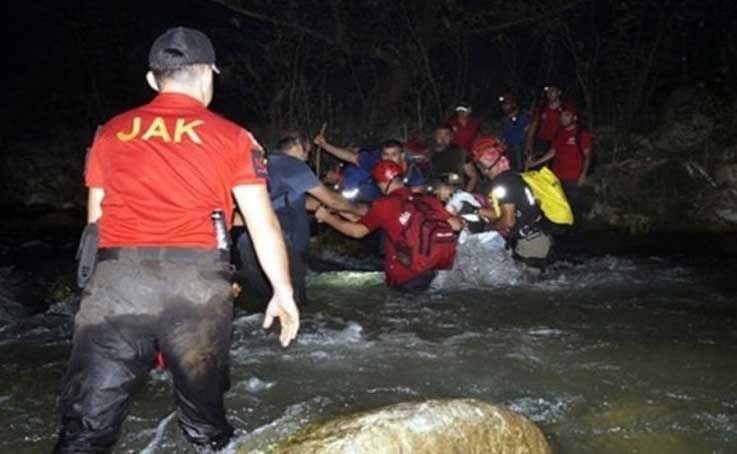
<point x="165" y="254"/>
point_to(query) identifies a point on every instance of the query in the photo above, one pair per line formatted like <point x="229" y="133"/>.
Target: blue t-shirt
<point x="514" y="129"/>
<point x="357" y="184"/>
<point x="289" y="181"/>
<point x="367" y="159"/>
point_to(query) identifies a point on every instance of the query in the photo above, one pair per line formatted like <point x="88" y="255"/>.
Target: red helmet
<point x="490" y="150"/>
<point x="386" y="171"/>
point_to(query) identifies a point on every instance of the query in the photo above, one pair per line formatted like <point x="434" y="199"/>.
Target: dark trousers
<point x="575" y="200"/>
<point x="417" y="284"/>
<point x="131" y="309"/>
<point x="516" y="159"/>
<point x="251" y="276"/>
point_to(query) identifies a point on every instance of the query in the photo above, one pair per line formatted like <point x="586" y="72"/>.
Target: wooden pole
<point x="319" y="150"/>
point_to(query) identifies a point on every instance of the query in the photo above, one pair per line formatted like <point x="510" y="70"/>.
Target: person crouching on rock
<point x="420" y="234"/>
<point x="514" y="210"/>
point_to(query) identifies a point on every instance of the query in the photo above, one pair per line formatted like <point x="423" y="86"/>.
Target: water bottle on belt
<point x="222" y="239"/>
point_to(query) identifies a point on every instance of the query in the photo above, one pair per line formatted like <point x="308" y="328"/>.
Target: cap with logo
<point x="181" y="46"/>
<point x="463" y="107"/>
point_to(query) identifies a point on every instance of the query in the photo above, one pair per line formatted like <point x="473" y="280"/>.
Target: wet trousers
<point x="417" y="284"/>
<point x="132" y="308"/>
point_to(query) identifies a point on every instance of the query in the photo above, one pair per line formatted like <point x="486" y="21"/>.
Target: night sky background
<point x="371" y="69"/>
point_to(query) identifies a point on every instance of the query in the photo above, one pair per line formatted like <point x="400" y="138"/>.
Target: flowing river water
<point x="608" y="354"/>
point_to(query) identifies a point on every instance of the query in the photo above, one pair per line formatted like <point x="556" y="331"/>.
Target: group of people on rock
<point x="167" y="180"/>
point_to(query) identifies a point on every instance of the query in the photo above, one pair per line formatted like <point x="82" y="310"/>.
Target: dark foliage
<point x="371" y="69"/>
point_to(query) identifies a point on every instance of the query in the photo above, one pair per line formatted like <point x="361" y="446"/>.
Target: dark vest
<point x="451" y="160"/>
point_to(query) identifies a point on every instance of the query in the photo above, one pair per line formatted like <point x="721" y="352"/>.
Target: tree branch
<point x="273" y="21"/>
<point x="527" y="20"/>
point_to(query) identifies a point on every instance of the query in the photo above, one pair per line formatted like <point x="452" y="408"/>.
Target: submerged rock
<point x="462" y="426"/>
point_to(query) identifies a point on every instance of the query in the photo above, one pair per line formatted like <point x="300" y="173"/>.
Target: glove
<point x="468" y="208"/>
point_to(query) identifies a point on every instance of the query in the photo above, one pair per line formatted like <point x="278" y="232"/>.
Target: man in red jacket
<point x="570" y="153"/>
<point x="465" y="127"/>
<point x="392" y="214"/>
<point x="160" y="178"/>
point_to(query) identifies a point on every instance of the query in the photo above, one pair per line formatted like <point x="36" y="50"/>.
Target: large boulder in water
<point x="462" y="426"/>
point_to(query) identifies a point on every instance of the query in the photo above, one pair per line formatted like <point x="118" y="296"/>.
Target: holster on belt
<point x="87" y="254"/>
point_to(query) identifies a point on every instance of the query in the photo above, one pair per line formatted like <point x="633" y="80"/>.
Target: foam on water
<point x="541" y="410"/>
<point x="352" y="334"/>
<point x="481" y="261"/>
<point x="252" y="385"/>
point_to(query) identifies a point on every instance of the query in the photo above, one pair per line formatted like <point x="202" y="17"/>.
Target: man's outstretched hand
<point x="283" y="308"/>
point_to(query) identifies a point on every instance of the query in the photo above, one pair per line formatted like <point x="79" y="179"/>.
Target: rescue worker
<point x="156" y="174"/>
<point x="570" y="153"/>
<point x="544" y="125"/>
<point x="395" y="213"/>
<point x="367" y="159"/>
<point x="465" y="127"/>
<point x="291" y="184"/>
<point x="513" y="210"/>
<point x="514" y="130"/>
<point x="449" y="162"/>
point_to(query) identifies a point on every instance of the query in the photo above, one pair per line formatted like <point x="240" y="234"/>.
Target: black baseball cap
<point x="179" y="47"/>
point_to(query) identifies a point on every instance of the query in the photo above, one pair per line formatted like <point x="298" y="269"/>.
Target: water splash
<point x="481" y="261"/>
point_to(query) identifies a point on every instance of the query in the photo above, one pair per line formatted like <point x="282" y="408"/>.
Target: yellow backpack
<point x="549" y="193"/>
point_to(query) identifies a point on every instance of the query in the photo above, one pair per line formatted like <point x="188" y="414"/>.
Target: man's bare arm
<point x="348" y="228"/>
<point x="334" y="200"/>
<point x="543" y="159"/>
<point x="530" y="132"/>
<point x="268" y="241"/>
<point x="473" y="176"/>
<point x="505" y="220"/>
<point x="586" y="164"/>
<point x="456" y="223"/>
<point x="344" y="154"/>
<point x="94" y="204"/>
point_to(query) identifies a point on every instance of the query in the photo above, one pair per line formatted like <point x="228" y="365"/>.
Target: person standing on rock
<point x="160" y="178"/>
<point x="570" y="154"/>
